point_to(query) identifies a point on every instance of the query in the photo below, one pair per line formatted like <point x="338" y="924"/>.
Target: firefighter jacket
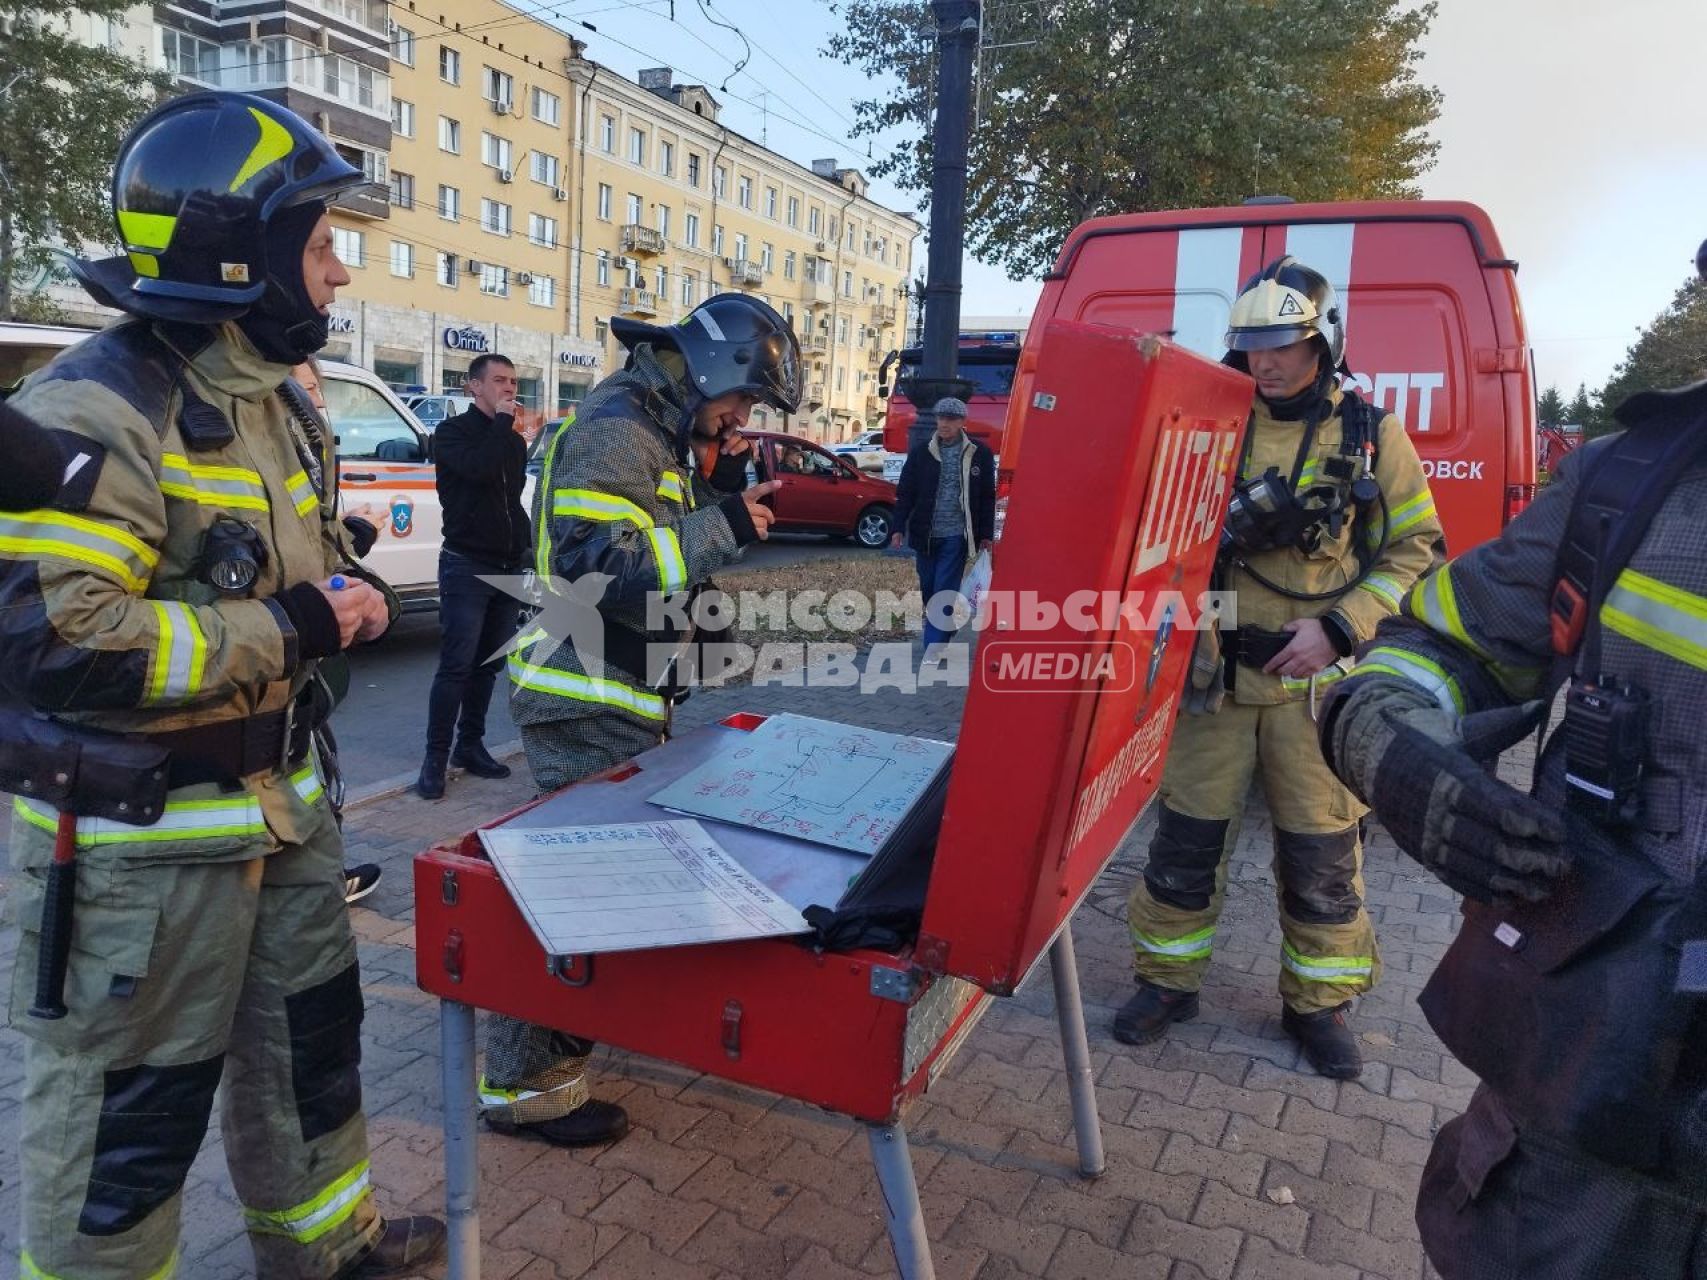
<point x="104" y="617"/>
<point x="1413" y="532"/>
<point x="619" y="498"/>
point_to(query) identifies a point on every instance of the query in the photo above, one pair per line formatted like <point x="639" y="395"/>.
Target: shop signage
<point x="578" y="359"/>
<point x="336" y="323"/>
<point x="468" y="338"/>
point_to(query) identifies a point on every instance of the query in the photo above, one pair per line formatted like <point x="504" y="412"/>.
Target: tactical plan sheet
<point x="625" y="887"/>
<point x="813" y="779"/>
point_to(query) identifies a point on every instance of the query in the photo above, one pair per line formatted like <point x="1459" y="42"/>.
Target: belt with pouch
<point x="1254" y="647"/>
<point x="228" y="750"/>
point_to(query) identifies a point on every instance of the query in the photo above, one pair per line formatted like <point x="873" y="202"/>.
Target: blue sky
<point x="1575" y="123"/>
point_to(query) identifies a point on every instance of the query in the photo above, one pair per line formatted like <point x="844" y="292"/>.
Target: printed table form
<point x="628" y="886"/>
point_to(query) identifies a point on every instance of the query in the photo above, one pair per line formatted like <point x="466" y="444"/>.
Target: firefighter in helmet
<point x="1330" y="523"/>
<point x="642" y="496"/>
<point x="179" y="592"/>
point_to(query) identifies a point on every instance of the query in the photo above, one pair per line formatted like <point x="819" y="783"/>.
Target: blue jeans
<point x="942" y="565"/>
<point x="475" y="621"/>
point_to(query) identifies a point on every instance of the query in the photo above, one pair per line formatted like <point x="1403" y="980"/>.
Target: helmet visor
<point x="777" y="374"/>
<point x="1267" y="338"/>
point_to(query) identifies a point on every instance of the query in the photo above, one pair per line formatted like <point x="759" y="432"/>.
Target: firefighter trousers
<point x="185" y="976"/>
<point x="1328" y="951"/>
<point x="534" y="1073"/>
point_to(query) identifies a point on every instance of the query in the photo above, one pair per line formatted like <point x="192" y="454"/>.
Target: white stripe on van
<point x="1326" y="246"/>
<point x="1206" y="280"/>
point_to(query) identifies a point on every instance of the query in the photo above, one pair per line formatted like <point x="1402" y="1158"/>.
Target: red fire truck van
<point x="1434" y="330"/>
<point x="986" y="360"/>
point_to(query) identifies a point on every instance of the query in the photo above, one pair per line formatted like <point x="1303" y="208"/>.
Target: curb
<point x="397" y="784"/>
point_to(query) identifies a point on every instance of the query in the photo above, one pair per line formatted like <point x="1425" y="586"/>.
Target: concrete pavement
<point x="1224" y="1160"/>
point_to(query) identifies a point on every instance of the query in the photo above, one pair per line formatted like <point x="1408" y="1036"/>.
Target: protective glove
<point x="1424" y="771"/>
<point x="1206" y="682"/>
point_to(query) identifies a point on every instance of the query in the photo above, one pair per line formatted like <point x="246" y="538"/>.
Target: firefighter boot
<point x="472" y="757"/>
<point x="403" y="1247"/>
<point x="1146" y="1015"/>
<point x="588" y="1125"/>
<point x="1327" y="1041"/>
<point x="431" y="784"/>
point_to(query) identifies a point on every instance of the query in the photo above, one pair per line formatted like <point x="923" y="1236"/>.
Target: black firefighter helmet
<point x="197" y="186"/>
<point x="1285" y="302"/>
<point x="730" y="342"/>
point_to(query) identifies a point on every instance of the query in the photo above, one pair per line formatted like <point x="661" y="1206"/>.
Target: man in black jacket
<point x="482" y="465"/>
<point x="945" y="507"/>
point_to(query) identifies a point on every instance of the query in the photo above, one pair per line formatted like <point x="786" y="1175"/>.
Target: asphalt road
<point x="382" y="725"/>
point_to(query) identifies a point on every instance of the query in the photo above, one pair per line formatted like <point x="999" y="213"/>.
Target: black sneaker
<point x="1327" y="1041"/>
<point x="588" y="1125"/>
<point x="1146" y="1015"/>
<point x="403" y="1248"/>
<point x="472" y="757"/>
<point x="360" y="880"/>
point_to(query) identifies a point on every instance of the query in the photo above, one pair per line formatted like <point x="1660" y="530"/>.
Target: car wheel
<point x="872" y="527"/>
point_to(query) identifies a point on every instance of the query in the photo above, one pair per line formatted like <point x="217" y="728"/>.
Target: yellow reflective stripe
<point x="1307" y="476"/>
<point x="147" y="230"/>
<point x="1658" y="616"/>
<point x="211" y="471"/>
<point x="31" y="1269"/>
<point x="493" y="1096"/>
<point x="590" y="505"/>
<point x="584" y="688"/>
<point x="1388" y="588"/>
<point x="1193" y="946"/>
<point x="306" y="781"/>
<point x="1325" y="968"/>
<point x="670" y="486"/>
<point x="180" y="653"/>
<point x="308" y="1221"/>
<point x="183" y="820"/>
<point x="1435" y="601"/>
<point x="273" y="144"/>
<point x="302" y="493"/>
<point x="667" y="551"/>
<point x="212" y="486"/>
<point x="1327" y="675"/>
<point x="145" y="264"/>
<point x="1423" y="672"/>
<point x="60" y="535"/>
<point x="1409" y="514"/>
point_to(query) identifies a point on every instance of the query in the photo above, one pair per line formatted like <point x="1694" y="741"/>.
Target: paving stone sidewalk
<point x="1225" y="1160"/>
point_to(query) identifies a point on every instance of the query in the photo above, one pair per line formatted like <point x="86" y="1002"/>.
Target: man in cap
<point x="945" y="508"/>
<point x="642" y="494"/>
<point x="180" y="597"/>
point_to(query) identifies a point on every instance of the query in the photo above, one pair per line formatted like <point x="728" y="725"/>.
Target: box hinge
<point x="898" y="985"/>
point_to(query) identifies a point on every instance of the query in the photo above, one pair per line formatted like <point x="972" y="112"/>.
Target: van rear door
<point x="1434" y="332"/>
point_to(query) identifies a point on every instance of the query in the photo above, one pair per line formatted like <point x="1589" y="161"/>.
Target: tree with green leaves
<point x="1112" y="106"/>
<point x="66" y="99"/>
<point x="1550" y="409"/>
<point x="1670" y="352"/>
<point x="1580" y="411"/>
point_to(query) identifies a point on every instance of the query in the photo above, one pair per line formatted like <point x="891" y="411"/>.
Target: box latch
<point x="732" y="1028"/>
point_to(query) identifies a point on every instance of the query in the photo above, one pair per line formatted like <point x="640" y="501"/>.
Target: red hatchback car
<point x="822" y="493"/>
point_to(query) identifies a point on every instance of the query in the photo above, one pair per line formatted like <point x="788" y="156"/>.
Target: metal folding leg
<point x="1070" y="1009"/>
<point x="462" y="1170"/>
<point x="894" y="1163"/>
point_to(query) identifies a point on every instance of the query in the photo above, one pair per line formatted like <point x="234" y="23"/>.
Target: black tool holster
<point x="82" y="771"/>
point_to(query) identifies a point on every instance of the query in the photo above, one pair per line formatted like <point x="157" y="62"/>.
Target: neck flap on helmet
<point x="285" y="325"/>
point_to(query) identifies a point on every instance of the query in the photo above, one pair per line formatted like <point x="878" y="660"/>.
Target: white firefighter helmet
<point x="1285" y="302"/>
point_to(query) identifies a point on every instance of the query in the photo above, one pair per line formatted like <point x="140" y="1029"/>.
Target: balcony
<point x="746" y="273"/>
<point x="873" y="353"/>
<point x="819" y="293"/>
<point x="883" y="315"/>
<point x="816" y="343"/>
<point x="814" y="394"/>
<point x="873" y="407"/>
<point x="642" y="239"/>
<point x="639" y="302"/>
<point x="372" y="200"/>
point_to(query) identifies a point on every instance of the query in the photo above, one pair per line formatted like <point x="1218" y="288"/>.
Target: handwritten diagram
<point x="816" y="780"/>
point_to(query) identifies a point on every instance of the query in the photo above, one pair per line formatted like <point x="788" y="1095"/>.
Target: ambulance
<point x="1434" y="329"/>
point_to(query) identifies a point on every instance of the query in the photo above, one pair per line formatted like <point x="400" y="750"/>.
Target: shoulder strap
<point x="1360" y="424"/>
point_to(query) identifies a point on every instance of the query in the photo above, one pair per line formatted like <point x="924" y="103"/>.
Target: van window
<point x="368" y="426"/>
<point x="986" y="379"/>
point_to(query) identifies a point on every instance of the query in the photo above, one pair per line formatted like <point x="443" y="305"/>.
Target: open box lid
<point x="1131" y="445"/>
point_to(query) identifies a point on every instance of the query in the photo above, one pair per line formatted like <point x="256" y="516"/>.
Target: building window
<point x="447" y="269"/>
<point x="740" y="246"/>
<point x="603" y="261"/>
<point x="494" y="151"/>
<point x="450" y="65"/>
<point x="347" y="245"/>
<point x="403" y="190"/>
<point x="667" y="158"/>
<point x="402" y="45"/>
<point x="663" y="285"/>
<point x="189" y="58"/>
<point x="767" y="258"/>
<point x="450" y="135"/>
<point x="788" y="265"/>
<point x="403" y="118"/>
<point x="770" y="203"/>
<point x="542" y="291"/>
<point x="631" y="271"/>
<point x="664" y="221"/>
<point x="794" y="211"/>
<point x="601" y="332"/>
<point x="636" y="209"/>
<point x="849" y="242"/>
<point x="637" y="146"/>
<point x="375" y="165"/>
<point x="607" y="134"/>
<point x="542" y="231"/>
<point x="841" y="378"/>
<point x="402" y="258"/>
<point x="547" y="107"/>
<point x="788" y="313"/>
<point x="545" y="168"/>
<point x="693" y="170"/>
<point x="495" y="217"/>
<point x="744" y="191"/>
<point x="690" y="230"/>
<point x="847" y="284"/>
<point x="720" y="181"/>
<point x="495" y="280"/>
<point x="842" y="331"/>
<point x="814" y="220"/>
<point x="717" y="239"/>
<point x="604" y="200"/>
<point x="450" y="203"/>
<point x="500" y="87"/>
<point x="690" y="288"/>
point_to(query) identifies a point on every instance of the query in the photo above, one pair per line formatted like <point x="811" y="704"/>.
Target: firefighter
<point x="179" y="591"/>
<point x="1330" y="523"/>
<point x="642" y="495"/>
<point x="1573" y="987"/>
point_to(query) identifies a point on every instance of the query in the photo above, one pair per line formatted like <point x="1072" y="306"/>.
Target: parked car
<point x="865" y="450"/>
<point x="822" y="493"/>
<point x="432" y="410"/>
